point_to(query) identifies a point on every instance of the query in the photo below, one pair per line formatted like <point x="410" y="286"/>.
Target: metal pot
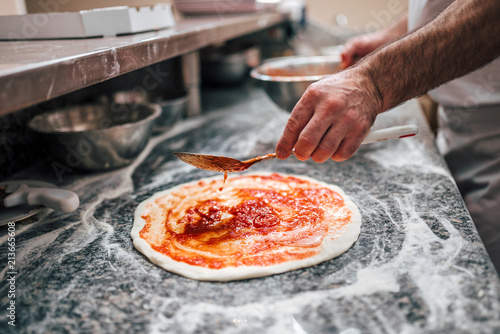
<point x="286" y="79"/>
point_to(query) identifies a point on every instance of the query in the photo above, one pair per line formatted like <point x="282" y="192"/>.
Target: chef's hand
<point x="358" y="47"/>
<point x="332" y="118"/>
<point x="335" y="114"/>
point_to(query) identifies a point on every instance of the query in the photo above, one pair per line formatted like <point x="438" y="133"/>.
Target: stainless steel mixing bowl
<point x="172" y="104"/>
<point x="97" y="137"/>
<point x="286" y="79"/>
<point x="173" y="109"/>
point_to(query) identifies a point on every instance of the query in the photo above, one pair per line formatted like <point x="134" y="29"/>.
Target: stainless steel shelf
<point x="35" y="71"/>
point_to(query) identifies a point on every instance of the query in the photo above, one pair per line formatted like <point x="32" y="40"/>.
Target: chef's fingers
<point x="298" y="119"/>
<point x="327" y="146"/>
<point x="350" y="52"/>
<point x="349" y="146"/>
<point x="313" y="132"/>
<point x="355" y="49"/>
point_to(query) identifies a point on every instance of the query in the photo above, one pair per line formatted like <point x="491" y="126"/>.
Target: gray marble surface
<point x="418" y="266"/>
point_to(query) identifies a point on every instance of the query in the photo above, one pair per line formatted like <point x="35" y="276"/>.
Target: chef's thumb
<point x="348" y="55"/>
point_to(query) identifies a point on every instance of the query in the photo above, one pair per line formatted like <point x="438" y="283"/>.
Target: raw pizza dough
<point x="259" y="224"/>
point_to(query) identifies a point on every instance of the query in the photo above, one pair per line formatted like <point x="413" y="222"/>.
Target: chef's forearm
<point x="461" y="39"/>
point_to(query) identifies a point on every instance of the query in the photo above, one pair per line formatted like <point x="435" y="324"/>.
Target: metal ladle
<point x="230" y="165"/>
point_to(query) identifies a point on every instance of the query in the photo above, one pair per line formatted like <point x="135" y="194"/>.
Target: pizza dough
<point x="257" y="225"/>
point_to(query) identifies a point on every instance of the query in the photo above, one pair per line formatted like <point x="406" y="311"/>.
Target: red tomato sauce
<point x="263" y="229"/>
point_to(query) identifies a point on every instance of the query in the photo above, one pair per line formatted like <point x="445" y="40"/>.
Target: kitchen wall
<point x="367" y="15"/>
<point x="12" y="7"/>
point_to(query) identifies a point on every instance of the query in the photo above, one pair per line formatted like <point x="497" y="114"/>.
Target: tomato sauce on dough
<point x="258" y="220"/>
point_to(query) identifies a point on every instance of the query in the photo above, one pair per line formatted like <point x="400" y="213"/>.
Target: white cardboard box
<point x="108" y="21"/>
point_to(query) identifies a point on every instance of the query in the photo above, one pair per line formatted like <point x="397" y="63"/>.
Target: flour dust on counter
<point x="418" y="265"/>
<point x="257" y="225"/>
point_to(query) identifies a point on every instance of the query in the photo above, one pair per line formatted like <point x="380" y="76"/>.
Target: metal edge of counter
<point x="29" y="83"/>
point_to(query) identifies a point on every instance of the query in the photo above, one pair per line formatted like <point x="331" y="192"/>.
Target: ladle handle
<point x="391" y="133"/>
<point x="394" y="132"/>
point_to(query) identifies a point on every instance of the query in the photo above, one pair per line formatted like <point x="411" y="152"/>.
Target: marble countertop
<point x="418" y="266"/>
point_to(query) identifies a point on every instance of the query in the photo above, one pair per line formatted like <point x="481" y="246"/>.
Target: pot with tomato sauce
<point x="286" y="79"/>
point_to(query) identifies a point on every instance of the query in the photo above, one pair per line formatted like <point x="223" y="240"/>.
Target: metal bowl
<point x="286" y="79"/>
<point x="228" y="67"/>
<point x="173" y="109"/>
<point x="97" y="137"/>
<point x="172" y="104"/>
